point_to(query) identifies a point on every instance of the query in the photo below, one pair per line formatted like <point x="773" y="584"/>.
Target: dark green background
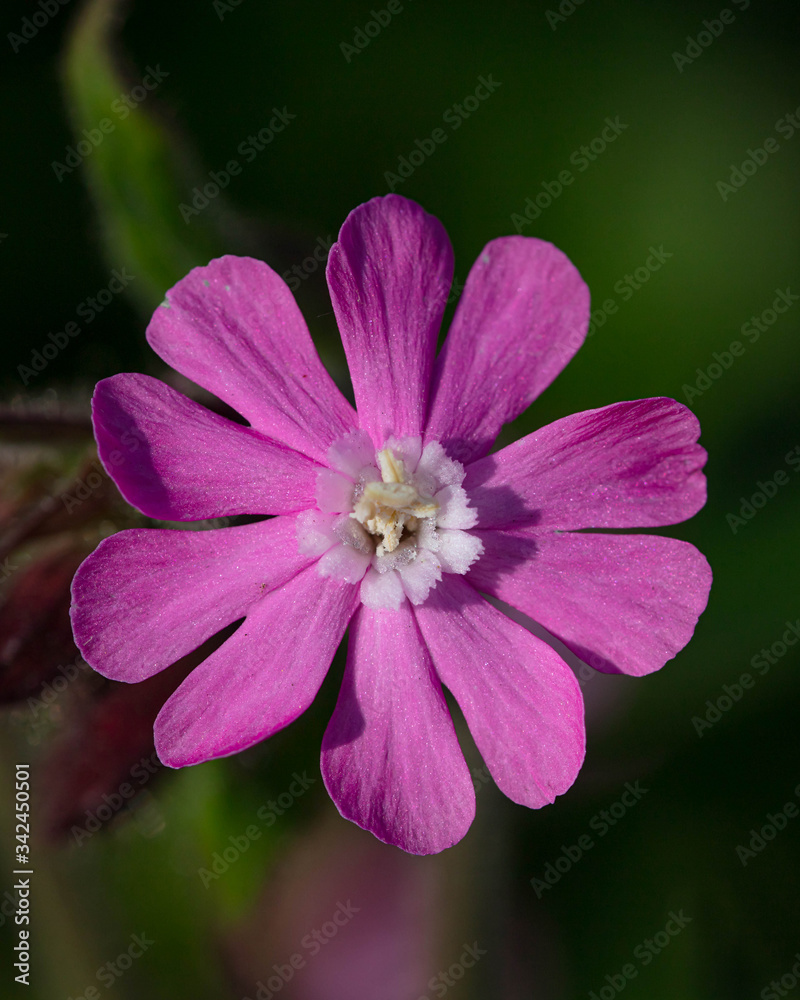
<point x="655" y="185"/>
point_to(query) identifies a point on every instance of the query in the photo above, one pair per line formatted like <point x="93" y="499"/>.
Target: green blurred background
<point x="656" y="185"/>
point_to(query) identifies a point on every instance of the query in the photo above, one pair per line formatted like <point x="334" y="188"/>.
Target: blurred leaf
<point x="136" y="170"/>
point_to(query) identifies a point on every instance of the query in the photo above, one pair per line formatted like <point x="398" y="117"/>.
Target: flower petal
<point x="344" y="562"/>
<point x="148" y="596"/>
<point x="621" y="466"/>
<point x="390" y="758"/>
<point x="623" y="603"/>
<point x="523" y="314"/>
<point x="382" y="590"/>
<point x="521" y="701"/>
<point x="177" y="461"/>
<point x="234" y="328"/>
<point x="457" y="550"/>
<point x="263" y="677"/>
<point x="389" y="277"/>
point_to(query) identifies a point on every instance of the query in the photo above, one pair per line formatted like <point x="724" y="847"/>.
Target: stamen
<point x="393" y="505"/>
<point x="402" y="512"/>
<point x="391" y="494"/>
<point x="393" y="469"/>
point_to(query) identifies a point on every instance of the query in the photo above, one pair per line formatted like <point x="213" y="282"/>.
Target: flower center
<point x="393" y="507"/>
<point x="393" y="521"/>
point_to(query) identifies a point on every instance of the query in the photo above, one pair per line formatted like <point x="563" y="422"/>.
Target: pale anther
<point x="393" y="505"/>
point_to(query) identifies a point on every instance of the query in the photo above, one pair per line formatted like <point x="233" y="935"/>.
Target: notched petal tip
<point x="389" y="276"/>
<point x="522" y="315"/>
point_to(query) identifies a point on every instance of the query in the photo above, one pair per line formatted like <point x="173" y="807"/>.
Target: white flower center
<point x="394" y="520"/>
<point x="392" y="506"/>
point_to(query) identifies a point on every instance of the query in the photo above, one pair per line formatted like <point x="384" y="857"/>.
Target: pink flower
<point x="393" y="520"/>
